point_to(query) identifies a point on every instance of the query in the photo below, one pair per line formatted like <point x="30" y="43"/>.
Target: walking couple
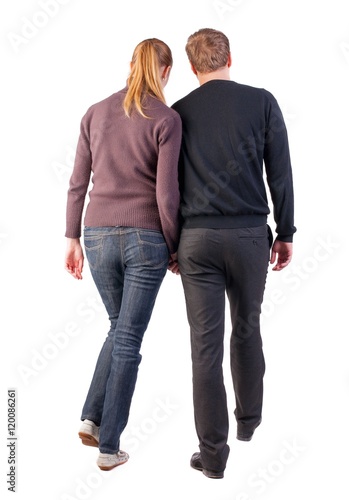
<point x="181" y="188"/>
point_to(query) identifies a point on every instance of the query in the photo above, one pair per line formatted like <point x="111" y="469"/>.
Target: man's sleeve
<point x="279" y="171"/>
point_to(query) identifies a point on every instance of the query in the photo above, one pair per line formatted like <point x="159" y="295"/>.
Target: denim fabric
<point x="215" y="264"/>
<point x="128" y="266"/>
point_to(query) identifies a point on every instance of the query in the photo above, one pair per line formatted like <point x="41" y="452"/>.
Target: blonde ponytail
<point x="144" y="77"/>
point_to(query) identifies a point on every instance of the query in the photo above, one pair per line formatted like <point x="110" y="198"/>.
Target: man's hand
<point x="74" y="258"/>
<point x="173" y="264"/>
<point x="283" y="252"/>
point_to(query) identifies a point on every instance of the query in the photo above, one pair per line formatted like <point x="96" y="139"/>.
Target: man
<point x="231" y="132"/>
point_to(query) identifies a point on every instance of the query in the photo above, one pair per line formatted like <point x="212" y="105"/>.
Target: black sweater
<point x="229" y="132"/>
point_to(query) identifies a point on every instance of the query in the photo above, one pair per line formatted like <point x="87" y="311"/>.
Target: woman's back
<point x="132" y="162"/>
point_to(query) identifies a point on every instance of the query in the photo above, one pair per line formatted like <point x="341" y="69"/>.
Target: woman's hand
<point x="74" y="258"/>
<point x="173" y="264"/>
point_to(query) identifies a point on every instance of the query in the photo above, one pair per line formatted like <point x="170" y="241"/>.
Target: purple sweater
<point x="134" y="166"/>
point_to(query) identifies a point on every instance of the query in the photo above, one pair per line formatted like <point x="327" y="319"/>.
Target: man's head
<point x="208" y="50"/>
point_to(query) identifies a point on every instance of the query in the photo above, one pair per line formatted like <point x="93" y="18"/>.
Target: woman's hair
<point x="144" y="77"/>
<point x="208" y="50"/>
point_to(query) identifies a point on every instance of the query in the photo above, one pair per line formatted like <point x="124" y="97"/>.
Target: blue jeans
<point x="128" y="266"/>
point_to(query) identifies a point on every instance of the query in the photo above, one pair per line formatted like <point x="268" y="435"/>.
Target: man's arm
<point x="279" y="172"/>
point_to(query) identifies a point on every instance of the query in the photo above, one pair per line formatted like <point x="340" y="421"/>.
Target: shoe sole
<point x="212" y="475"/>
<point x="244" y="438"/>
<point x="110" y="467"/>
<point x="88" y="440"/>
<point x="207" y="473"/>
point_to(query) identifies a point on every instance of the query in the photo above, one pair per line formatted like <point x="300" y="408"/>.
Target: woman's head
<point x="150" y="68"/>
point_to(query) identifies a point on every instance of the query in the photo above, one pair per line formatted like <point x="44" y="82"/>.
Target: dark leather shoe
<point x="195" y="463"/>
<point x="246" y="436"/>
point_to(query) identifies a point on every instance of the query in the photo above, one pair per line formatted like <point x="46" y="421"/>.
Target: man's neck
<point x="220" y="74"/>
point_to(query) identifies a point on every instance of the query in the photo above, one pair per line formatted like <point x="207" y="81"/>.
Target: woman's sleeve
<point x="79" y="182"/>
<point x="167" y="188"/>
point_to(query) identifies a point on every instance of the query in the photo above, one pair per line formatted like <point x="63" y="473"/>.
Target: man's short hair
<point x="208" y="50"/>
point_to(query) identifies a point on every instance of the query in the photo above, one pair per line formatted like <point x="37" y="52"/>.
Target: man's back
<point x="229" y="131"/>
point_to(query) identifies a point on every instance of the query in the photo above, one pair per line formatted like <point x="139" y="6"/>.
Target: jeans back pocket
<point x="153" y="249"/>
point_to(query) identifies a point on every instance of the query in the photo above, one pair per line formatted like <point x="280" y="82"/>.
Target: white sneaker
<point x="89" y="433"/>
<point x="107" y="461"/>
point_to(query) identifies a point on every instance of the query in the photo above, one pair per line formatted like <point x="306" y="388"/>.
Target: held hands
<point x="74" y="258"/>
<point x="173" y="264"/>
<point x="283" y="252"/>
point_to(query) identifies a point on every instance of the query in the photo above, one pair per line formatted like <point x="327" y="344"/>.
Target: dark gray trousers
<point x="215" y="263"/>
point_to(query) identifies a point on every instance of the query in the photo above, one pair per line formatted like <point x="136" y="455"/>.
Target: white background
<point x="52" y="326"/>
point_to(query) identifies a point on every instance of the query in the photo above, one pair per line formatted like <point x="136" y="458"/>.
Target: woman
<point x="130" y="144"/>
